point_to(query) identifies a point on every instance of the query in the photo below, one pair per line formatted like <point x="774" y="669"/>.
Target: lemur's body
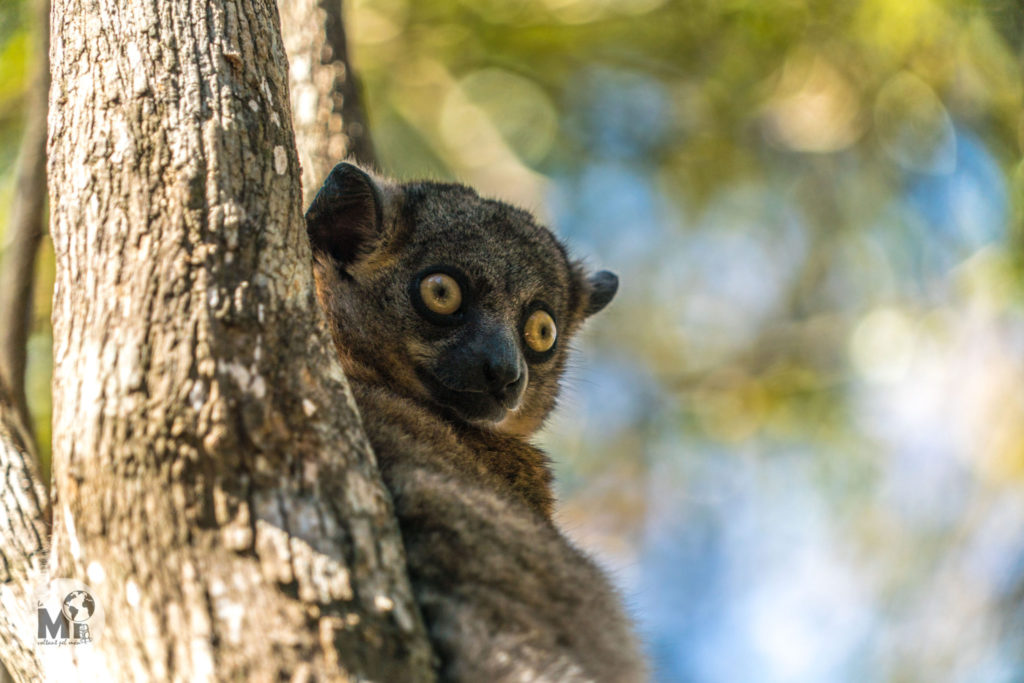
<point x="451" y="315"/>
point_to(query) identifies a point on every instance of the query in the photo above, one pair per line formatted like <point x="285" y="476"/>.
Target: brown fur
<point x="505" y="596"/>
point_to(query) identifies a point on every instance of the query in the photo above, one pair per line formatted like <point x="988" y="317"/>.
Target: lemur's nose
<point x="501" y="371"/>
<point x="488" y="361"/>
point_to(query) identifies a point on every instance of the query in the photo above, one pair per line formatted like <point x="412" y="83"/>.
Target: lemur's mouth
<point x="470" y="406"/>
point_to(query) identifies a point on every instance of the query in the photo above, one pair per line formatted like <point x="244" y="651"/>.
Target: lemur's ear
<point x="346" y="216"/>
<point x="602" y="286"/>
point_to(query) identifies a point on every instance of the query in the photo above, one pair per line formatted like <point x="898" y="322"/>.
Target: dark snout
<point x="488" y="365"/>
<point x="496" y="362"/>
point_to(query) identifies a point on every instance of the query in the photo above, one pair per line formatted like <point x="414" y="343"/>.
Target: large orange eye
<point x="540" y="332"/>
<point x="441" y="293"/>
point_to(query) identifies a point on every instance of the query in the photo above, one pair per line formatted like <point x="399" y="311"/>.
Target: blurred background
<point x="796" y="438"/>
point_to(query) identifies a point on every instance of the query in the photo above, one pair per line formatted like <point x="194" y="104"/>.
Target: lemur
<point x="452" y="316"/>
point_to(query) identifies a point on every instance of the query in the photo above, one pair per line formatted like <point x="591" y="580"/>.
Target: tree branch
<point x="24" y="518"/>
<point x="329" y="116"/>
<point x="24" y="507"/>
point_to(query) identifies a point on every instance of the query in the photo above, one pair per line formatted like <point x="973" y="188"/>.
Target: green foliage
<point x="14" y="59"/>
<point x="816" y="210"/>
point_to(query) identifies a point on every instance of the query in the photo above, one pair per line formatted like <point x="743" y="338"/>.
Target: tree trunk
<point x="24" y="519"/>
<point x="212" y="483"/>
<point x="330" y="120"/>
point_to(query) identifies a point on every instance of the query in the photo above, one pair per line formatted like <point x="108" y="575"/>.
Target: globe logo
<point x="68" y="612"/>
<point x="78" y="606"/>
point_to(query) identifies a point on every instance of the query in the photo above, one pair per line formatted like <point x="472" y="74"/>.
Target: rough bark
<point x="212" y="483"/>
<point x="24" y="521"/>
<point x="329" y="117"/>
<point x="25" y="230"/>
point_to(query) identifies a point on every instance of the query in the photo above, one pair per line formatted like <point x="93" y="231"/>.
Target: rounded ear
<point x="603" y="286"/>
<point x="347" y="214"/>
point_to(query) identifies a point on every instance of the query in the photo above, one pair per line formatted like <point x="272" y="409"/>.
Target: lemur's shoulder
<point x="506" y="597"/>
<point x="405" y="433"/>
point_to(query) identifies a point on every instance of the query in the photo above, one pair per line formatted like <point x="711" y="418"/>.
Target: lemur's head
<point x="463" y="303"/>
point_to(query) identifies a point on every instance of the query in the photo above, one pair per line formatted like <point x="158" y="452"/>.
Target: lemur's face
<point x="461" y="302"/>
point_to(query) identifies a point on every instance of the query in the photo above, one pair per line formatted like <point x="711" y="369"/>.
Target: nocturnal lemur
<point x="452" y="314"/>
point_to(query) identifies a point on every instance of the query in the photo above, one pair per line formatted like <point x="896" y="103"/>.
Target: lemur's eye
<point x="539" y="331"/>
<point x="441" y="293"/>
